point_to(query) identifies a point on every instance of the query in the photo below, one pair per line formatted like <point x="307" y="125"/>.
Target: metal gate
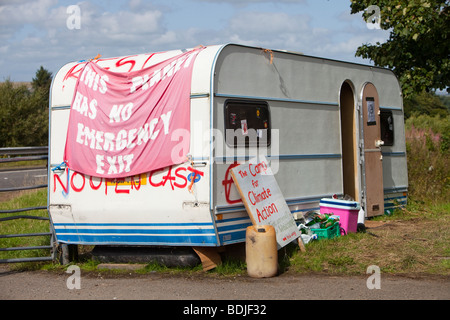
<point x="16" y="155"/>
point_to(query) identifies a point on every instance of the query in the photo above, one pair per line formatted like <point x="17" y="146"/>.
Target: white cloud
<point x="17" y="13"/>
<point x="127" y="23"/>
<point x="34" y="33"/>
<point x="278" y="30"/>
<point x="349" y="33"/>
<point x="244" y="2"/>
<point x="269" y="24"/>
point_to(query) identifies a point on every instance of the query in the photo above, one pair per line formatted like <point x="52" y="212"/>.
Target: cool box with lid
<point x="346" y="210"/>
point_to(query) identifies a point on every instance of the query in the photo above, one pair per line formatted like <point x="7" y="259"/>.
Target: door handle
<point x="379" y="143"/>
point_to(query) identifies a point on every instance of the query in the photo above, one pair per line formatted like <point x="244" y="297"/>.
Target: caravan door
<point x="372" y="165"/>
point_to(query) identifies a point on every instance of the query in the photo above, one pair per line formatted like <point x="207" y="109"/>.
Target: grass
<point x="411" y="241"/>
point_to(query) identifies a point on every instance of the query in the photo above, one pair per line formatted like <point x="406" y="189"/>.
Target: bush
<point x="24" y="112"/>
<point x="427" y="143"/>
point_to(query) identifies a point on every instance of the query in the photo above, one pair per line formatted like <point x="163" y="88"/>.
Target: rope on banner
<point x="270" y="52"/>
<point x="96" y="57"/>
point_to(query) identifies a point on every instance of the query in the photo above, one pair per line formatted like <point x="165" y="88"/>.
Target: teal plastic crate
<point x="328" y="233"/>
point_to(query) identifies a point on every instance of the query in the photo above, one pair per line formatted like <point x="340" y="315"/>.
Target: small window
<point x="370" y="101"/>
<point x="247" y="124"/>
<point x="387" y="127"/>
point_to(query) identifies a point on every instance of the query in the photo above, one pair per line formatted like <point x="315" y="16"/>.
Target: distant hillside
<point x="426" y="103"/>
<point x="20" y="83"/>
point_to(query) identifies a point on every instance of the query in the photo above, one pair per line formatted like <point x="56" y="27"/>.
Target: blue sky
<point x="35" y="33"/>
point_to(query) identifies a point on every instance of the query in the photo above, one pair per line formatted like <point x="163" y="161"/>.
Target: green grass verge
<point x="409" y="241"/>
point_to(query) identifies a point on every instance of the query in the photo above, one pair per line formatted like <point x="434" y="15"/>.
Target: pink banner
<point x="125" y="124"/>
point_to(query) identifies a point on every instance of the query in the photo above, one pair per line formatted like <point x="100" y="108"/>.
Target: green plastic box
<point x="328" y="233"/>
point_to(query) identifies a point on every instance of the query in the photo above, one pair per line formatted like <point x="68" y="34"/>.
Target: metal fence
<point x="17" y="155"/>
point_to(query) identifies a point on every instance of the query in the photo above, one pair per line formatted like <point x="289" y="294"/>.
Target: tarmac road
<point x="42" y="285"/>
<point x="18" y="178"/>
<point x="24" y="177"/>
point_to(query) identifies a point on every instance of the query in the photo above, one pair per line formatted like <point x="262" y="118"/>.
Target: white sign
<point x="263" y="199"/>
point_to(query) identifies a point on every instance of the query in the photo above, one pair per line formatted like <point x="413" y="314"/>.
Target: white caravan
<point x="328" y="128"/>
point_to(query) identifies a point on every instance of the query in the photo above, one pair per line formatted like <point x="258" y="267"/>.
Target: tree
<point x="419" y="43"/>
<point x="43" y="80"/>
<point x="24" y="112"/>
<point x="41" y="85"/>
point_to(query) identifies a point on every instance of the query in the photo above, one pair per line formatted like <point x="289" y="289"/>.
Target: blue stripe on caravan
<point x="391" y="201"/>
<point x="138" y="239"/>
<point x="233" y="223"/>
<point x="232" y="237"/>
<point x="398" y="189"/>
<point x="290" y="202"/>
<point x="136" y="231"/>
<point x="234" y="227"/>
<point x="193" y="224"/>
<point x="222" y="95"/>
<point x="61" y="108"/>
<point x="391" y="108"/>
<point x="392" y="205"/>
<point x="396" y="198"/>
<point x="114" y="233"/>
<point x="229" y="209"/>
<point x="306" y="210"/>
<point x="394" y="154"/>
<point x="282" y="157"/>
<point x="233" y="230"/>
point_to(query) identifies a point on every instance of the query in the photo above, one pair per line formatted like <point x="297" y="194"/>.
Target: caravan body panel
<point x="155" y="208"/>
<point x="303" y="94"/>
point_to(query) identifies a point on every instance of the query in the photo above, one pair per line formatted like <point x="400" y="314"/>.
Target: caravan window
<point x="387" y="127"/>
<point x="247" y="124"/>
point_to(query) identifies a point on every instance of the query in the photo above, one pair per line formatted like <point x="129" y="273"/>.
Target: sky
<point x="51" y="33"/>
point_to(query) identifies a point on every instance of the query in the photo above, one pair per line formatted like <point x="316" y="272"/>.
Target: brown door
<point x="373" y="166"/>
<point x="349" y="144"/>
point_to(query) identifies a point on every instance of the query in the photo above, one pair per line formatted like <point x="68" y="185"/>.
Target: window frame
<point x="384" y="115"/>
<point x="251" y="103"/>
